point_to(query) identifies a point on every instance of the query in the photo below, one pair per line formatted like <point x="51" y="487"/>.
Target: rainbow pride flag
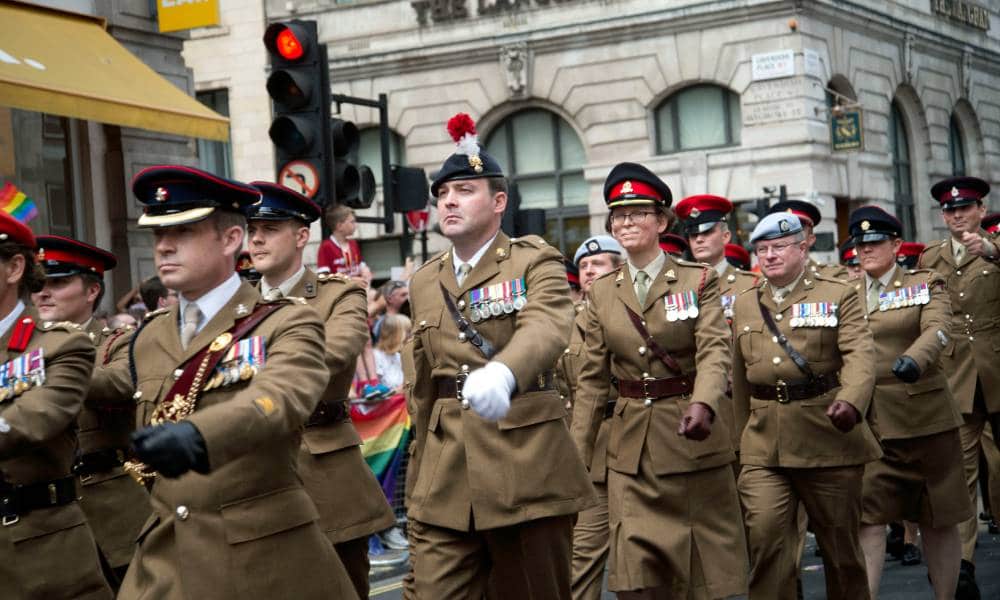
<point x="17" y="203"/>
<point x="385" y="433"/>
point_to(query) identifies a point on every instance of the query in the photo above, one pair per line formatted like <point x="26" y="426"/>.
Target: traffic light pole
<point x="388" y="201"/>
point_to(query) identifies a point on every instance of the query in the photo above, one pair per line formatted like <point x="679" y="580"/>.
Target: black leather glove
<point x="172" y="449"/>
<point x="906" y="369"/>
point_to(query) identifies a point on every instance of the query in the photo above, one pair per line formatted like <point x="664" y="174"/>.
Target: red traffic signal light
<point x="287" y="40"/>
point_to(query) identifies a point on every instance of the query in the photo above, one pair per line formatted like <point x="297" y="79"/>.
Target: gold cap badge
<point x="627" y="187"/>
<point x="865" y="225"/>
<point x="954" y="192"/>
<point x="161" y="194"/>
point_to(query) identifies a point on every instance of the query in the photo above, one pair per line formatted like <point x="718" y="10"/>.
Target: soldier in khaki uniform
<point x="351" y="503"/>
<point x="224" y="382"/>
<point x="810" y="217"/>
<point x="595" y="257"/>
<point x="803" y="369"/>
<point x="912" y="410"/>
<point x="674" y="510"/>
<point x="968" y="261"/>
<point x="115" y="506"/>
<point x="497" y="479"/>
<point x="47" y="550"/>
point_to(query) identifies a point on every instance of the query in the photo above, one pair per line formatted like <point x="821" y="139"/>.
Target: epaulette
<point x="63" y="325"/>
<point x="328" y="277"/>
<point x="535" y="241"/>
<point x="691" y="263"/>
<point x="614" y="271"/>
<point x="160" y="311"/>
<point x="440" y="257"/>
<point x="285" y="300"/>
<point x="821" y="277"/>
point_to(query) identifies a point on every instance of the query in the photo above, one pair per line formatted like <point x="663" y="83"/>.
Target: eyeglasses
<point x="638" y="217"/>
<point x="775" y="249"/>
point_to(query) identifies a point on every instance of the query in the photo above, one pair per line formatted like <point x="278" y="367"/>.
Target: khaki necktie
<point x="273" y="294"/>
<point x="192" y="316"/>
<point x="641" y="287"/>
<point x="873" y="294"/>
<point x="463" y="272"/>
<point x="959" y="254"/>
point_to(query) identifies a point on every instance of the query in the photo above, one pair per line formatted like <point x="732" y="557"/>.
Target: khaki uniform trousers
<point x="832" y="498"/>
<point x="528" y="561"/>
<point x="972" y="434"/>
<point x="590" y="548"/>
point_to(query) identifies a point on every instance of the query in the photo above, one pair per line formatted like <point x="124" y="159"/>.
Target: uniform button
<point x="461" y="337"/>
<point x="972" y="338"/>
<point x="642" y="350"/>
<point x="182" y="512"/>
<point x="774" y="339"/>
<point x="422" y="323"/>
<point x="961" y="294"/>
<point x="746" y="328"/>
<point x="465" y="368"/>
<point x="137" y="395"/>
<point x="178" y="373"/>
<point x="465" y="405"/>
<point x="461" y="304"/>
<point x="569" y="405"/>
<point x="985" y="272"/>
<point x="778" y="317"/>
<point x="958" y="272"/>
<point x="968" y="317"/>
<point x="647" y="402"/>
<point x="776" y="360"/>
<point x="562" y="397"/>
<point x="566" y="351"/>
<point x="645" y="375"/>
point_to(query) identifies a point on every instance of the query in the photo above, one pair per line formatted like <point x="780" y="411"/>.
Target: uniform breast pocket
<point x="819" y="342"/>
<point x="427" y="326"/>
<point x="751" y="341"/>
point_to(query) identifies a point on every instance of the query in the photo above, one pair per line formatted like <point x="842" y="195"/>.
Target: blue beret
<point x="174" y="195"/>
<point x="278" y="203"/>
<point x="598" y="244"/>
<point x="776" y="225"/>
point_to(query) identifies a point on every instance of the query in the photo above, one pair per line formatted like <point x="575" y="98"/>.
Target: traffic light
<point x="299" y="86"/>
<point x="354" y="185"/>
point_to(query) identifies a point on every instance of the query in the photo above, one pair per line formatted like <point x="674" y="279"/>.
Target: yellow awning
<point x="67" y="64"/>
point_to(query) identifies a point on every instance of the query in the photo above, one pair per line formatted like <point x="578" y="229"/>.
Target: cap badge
<point x="954" y="192"/>
<point x="695" y="213"/>
<point x="593" y="246"/>
<point x="783" y="225"/>
<point x="41" y="254"/>
<point x="627" y="187"/>
<point x="865" y="225"/>
<point x="476" y="163"/>
<point x="161" y="194"/>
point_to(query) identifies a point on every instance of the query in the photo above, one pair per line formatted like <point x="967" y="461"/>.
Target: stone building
<point x="726" y="97"/>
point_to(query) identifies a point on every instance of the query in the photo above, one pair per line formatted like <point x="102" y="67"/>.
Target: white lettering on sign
<point x="813" y="64"/>
<point x="772" y="65"/>
<point x="176" y="3"/>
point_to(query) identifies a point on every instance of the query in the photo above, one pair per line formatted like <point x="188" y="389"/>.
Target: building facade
<point x="727" y="97"/>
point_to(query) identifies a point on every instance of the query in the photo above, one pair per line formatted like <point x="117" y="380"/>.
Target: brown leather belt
<point x="99" y="461"/>
<point x="327" y="413"/>
<point x="785" y="392"/>
<point x="19" y="500"/>
<point x="448" y="387"/>
<point x="656" y="388"/>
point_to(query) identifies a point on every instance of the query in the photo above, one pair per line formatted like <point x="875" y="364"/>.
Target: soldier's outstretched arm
<point x="347" y="329"/>
<point x="935" y="325"/>
<point x="593" y="386"/>
<point x="111" y="385"/>
<point x="713" y="356"/>
<point x="857" y="351"/>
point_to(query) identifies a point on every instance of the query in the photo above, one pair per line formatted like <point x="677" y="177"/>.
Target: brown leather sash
<point x="655" y="348"/>
<point x="792" y="353"/>
<point x="467" y="331"/>
<point x="656" y="388"/>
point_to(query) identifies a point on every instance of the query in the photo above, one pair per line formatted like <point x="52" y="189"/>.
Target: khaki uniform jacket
<point x="908" y="410"/>
<point x="115" y="506"/>
<point x="49" y="552"/>
<point x="731" y="284"/>
<point x="614" y="348"/>
<point x="799" y="434"/>
<point x="350" y="500"/>
<point x="524" y="466"/>
<point x="974" y="351"/>
<point x="247" y="529"/>
<point x="829" y="270"/>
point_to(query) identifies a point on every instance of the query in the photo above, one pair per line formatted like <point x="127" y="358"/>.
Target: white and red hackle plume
<point x="462" y="129"/>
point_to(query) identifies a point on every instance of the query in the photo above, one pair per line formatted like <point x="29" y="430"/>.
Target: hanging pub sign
<point x="845" y="130"/>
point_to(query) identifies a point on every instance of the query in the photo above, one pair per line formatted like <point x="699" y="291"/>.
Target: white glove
<point x="488" y="390"/>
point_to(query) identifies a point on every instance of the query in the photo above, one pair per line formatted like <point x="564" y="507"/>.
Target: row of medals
<point x="828" y="319"/>
<point x="922" y="296"/>
<point x="226" y="375"/>
<point x="16" y="387"/>
<point x="495" y="308"/>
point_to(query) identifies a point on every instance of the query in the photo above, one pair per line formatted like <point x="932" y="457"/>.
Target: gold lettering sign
<point x="967" y="13"/>
<point x="176" y="15"/>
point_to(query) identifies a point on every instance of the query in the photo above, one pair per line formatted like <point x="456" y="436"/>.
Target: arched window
<point x="701" y="116"/>
<point x="370" y="151"/>
<point x="956" y="147"/>
<point x="544" y="158"/>
<point x="901" y="178"/>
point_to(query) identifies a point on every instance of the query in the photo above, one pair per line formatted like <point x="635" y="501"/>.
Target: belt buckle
<point x="781" y="391"/>
<point x="460" y="378"/>
<point x="647" y="396"/>
<point x="9" y="520"/>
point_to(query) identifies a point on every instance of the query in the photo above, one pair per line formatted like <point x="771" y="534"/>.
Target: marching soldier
<point x="595" y="257"/>
<point x="803" y="371"/>
<point x="223" y="383"/>
<point x="909" y="254"/>
<point x="46" y="548"/>
<point x="849" y="260"/>
<point x="115" y="506"/>
<point x="912" y="410"/>
<point x="809" y="216"/>
<point x="674" y="510"/>
<point x="351" y="503"/>
<point x="968" y="260"/>
<point x="738" y="257"/>
<point x="674" y="245"/>
<point x="498" y="480"/>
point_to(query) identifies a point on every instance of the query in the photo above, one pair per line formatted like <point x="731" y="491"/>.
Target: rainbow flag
<point x="17" y="203"/>
<point x="385" y="433"/>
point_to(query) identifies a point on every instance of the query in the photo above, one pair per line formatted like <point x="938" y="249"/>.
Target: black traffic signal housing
<point x="299" y="87"/>
<point x="354" y="184"/>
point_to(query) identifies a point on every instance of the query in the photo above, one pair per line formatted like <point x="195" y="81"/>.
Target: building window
<point x="901" y="181"/>
<point x="956" y="147"/>
<point x="701" y="116"/>
<point x="369" y="151"/>
<point x="215" y="157"/>
<point x="544" y="158"/>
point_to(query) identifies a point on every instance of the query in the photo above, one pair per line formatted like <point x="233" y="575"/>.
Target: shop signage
<point x="967" y="13"/>
<point x="772" y="65"/>
<point x="176" y="15"/>
<point x="845" y="130"/>
<point x="444" y="11"/>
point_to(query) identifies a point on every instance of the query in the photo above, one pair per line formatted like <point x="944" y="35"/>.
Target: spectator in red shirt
<point x="338" y="254"/>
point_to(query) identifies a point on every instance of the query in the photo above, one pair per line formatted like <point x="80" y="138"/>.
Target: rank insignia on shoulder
<point x="498" y="299"/>
<point x="682" y="306"/>
<point x="21" y="374"/>
<point x="241" y="362"/>
<point x="155" y="313"/>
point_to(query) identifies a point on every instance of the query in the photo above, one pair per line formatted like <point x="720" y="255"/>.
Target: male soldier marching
<point x="225" y="383"/>
<point x="351" y="503"/>
<point x="115" y="506"/>
<point x="498" y="479"/>
<point x="803" y="369"/>
<point x="46" y="549"/>
<point x="968" y="260"/>
<point x="809" y="216"/>
<point x="596" y="256"/>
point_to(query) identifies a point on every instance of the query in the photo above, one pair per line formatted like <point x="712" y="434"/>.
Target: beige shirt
<point x="779" y="293"/>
